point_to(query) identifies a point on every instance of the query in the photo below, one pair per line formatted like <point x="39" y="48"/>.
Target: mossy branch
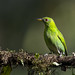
<point x="35" y="60"/>
<point x="30" y="59"/>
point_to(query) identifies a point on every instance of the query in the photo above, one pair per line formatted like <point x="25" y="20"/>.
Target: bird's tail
<point x="66" y="52"/>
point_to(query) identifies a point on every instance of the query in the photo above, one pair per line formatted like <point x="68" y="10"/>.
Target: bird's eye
<point x="46" y="19"/>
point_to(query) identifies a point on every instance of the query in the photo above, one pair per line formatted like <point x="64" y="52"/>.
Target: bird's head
<point x="47" y="20"/>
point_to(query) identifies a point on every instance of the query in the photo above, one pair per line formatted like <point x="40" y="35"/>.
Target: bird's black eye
<point x="46" y="19"/>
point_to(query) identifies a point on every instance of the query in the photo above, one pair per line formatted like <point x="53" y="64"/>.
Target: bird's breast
<point x="48" y="36"/>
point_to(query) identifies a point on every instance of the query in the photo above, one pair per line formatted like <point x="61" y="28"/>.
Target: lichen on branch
<point x="35" y="60"/>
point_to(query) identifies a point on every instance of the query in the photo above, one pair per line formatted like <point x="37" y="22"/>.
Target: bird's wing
<point x="60" y="36"/>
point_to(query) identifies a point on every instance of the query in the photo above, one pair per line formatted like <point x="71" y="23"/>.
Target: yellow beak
<point x="39" y="19"/>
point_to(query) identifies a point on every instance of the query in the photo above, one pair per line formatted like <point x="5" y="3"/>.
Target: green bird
<point x="53" y="37"/>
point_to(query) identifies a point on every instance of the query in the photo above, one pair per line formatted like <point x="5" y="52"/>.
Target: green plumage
<point x="53" y="37"/>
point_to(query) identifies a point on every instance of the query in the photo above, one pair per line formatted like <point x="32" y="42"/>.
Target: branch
<point x="35" y="60"/>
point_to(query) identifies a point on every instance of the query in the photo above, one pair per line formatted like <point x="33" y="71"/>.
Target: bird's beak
<point x="39" y="19"/>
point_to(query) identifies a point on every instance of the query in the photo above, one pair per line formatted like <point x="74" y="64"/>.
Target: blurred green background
<point x="20" y="29"/>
